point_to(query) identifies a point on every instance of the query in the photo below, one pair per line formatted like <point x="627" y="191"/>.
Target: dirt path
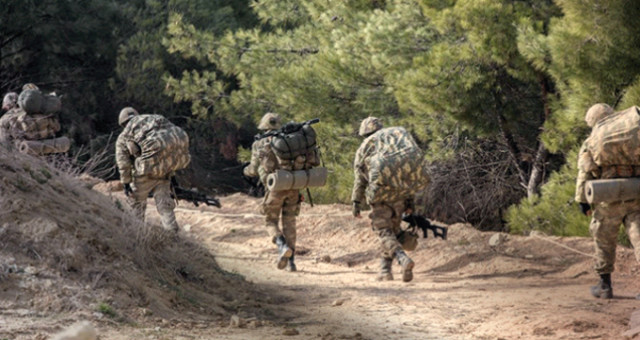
<point x="523" y="288"/>
<point x="463" y="288"/>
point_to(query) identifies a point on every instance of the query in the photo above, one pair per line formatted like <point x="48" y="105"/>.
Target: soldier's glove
<point x="127" y="189"/>
<point x="584" y="208"/>
<point x="356" y="209"/>
<point x="409" y="206"/>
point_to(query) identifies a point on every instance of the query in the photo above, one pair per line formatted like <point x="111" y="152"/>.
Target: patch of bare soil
<point x="69" y="260"/>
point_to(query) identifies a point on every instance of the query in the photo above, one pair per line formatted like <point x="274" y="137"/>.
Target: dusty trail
<point x="524" y="288"/>
<point x="463" y="288"/>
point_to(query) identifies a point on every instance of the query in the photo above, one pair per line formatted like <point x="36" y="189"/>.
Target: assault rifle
<point x="178" y="192"/>
<point x="288" y="128"/>
<point x="424" y="224"/>
<point x="195" y="197"/>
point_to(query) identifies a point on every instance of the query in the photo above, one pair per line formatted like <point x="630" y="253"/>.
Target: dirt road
<point x="521" y="288"/>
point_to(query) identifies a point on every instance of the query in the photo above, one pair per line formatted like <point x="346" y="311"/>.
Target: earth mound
<point x="68" y="249"/>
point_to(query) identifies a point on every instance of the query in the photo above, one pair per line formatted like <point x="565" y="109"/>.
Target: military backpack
<point x="34" y="101"/>
<point x="159" y="146"/>
<point x="397" y="168"/>
<point x="615" y="139"/>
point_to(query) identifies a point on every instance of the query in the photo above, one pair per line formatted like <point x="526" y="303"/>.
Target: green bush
<point x="553" y="212"/>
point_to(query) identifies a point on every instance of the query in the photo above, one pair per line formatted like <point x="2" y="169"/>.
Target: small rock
<point x="536" y="233"/>
<point x="79" y="331"/>
<point x="338" y="302"/>
<point x="31" y="270"/>
<point x="325" y="259"/>
<point x="290" y="331"/>
<point x="236" y="321"/>
<point x="254" y="324"/>
<point x="497" y="239"/>
<point x="187" y="228"/>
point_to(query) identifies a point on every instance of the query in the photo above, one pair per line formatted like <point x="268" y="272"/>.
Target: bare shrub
<point x="475" y="186"/>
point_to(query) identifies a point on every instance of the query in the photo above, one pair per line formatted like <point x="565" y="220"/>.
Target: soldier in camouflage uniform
<point x="136" y="187"/>
<point x="606" y="216"/>
<point x="388" y="201"/>
<point x="17" y="125"/>
<point x="285" y="203"/>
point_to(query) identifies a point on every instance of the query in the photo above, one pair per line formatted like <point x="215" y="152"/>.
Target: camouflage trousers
<point x="604" y="227"/>
<point x="287" y="204"/>
<point x="385" y="221"/>
<point x="165" y="205"/>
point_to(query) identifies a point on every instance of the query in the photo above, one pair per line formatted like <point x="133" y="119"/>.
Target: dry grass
<point x="94" y="243"/>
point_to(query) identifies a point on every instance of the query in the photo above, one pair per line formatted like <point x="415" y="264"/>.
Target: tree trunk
<point x="537" y="171"/>
<point x="537" y="168"/>
<point x="514" y="151"/>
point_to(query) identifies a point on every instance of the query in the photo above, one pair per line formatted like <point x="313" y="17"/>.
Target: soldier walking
<point x="277" y="205"/>
<point x="606" y="217"/>
<point x="142" y="171"/>
<point x="388" y="170"/>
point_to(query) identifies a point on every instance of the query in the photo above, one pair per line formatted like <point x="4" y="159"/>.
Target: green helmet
<point x="270" y="121"/>
<point x="596" y="113"/>
<point x="125" y="115"/>
<point x="369" y="125"/>
<point x="29" y="86"/>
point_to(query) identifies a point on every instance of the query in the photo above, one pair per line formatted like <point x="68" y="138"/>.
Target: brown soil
<point x="71" y="254"/>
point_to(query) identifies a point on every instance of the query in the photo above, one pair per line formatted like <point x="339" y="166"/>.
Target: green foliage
<point x="554" y="211"/>
<point x="596" y="55"/>
<point x="106" y="309"/>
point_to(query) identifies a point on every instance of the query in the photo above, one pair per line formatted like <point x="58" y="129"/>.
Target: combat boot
<point x="385" y="270"/>
<point x="603" y="289"/>
<point x="407" y="265"/>
<point x="292" y="265"/>
<point x="284" y="252"/>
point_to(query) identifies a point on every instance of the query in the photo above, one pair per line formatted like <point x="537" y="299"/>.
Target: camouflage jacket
<point x="388" y="167"/>
<point x="17" y="125"/>
<point x="263" y="160"/>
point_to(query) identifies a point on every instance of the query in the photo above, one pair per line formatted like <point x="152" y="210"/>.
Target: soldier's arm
<point x="4" y="131"/>
<point x="251" y="170"/>
<point x="124" y="160"/>
<point x="586" y="168"/>
<point x="360" y="180"/>
<point x="268" y="160"/>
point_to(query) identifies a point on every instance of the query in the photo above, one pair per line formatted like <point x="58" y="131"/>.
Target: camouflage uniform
<point x="607" y="216"/>
<point x="275" y="203"/>
<point x="16" y="125"/>
<point x="386" y="191"/>
<point x="285" y="203"/>
<point x="142" y="185"/>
